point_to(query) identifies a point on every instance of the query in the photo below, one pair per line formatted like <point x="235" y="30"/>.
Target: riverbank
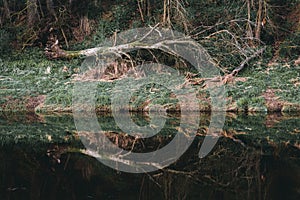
<point x="29" y="82"/>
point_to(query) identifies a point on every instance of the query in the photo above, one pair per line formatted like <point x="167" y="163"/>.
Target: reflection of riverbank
<point x="255" y="170"/>
<point x="248" y="129"/>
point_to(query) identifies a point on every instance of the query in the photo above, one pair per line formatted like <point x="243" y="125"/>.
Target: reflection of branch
<point x="191" y="173"/>
<point x="216" y="181"/>
<point x="119" y="159"/>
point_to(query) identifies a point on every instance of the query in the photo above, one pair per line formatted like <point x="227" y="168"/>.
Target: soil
<point x="273" y="102"/>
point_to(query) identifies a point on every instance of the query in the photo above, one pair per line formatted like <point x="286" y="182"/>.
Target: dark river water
<point x="46" y="157"/>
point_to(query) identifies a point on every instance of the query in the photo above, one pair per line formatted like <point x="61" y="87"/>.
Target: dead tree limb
<point x="229" y="77"/>
<point x="242" y="65"/>
<point x="54" y="51"/>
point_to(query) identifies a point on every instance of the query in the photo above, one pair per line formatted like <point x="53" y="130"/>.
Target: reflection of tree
<point x="230" y="172"/>
<point x="259" y="169"/>
<point x="225" y="173"/>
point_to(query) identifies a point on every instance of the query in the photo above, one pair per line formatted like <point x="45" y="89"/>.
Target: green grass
<point x="30" y="74"/>
<point x="282" y="77"/>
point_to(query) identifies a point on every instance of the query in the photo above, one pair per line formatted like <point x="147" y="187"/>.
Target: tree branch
<point x="242" y="65"/>
<point x="54" y="51"/>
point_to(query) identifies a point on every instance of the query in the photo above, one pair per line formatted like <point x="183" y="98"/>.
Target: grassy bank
<point x="31" y="82"/>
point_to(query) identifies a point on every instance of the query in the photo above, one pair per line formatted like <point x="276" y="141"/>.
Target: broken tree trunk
<point x="54" y="51"/>
<point x="145" y="41"/>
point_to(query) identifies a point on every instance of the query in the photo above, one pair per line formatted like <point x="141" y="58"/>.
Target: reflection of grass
<point x="262" y="130"/>
<point x="34" y="132"/>
<point x="252" y="130"/>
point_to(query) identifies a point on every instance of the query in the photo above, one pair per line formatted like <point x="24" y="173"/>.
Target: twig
<point x="141" y="11"/>
<point x="219" y="24"/>
<point x="64" y="35"/>
<point x="154" y="27"/>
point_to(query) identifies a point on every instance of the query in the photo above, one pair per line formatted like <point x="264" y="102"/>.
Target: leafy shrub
<point x="290" y="47"/>
<point x="5" y="41"/>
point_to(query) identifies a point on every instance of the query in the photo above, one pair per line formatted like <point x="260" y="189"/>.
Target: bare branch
<point x="242" y="65"/>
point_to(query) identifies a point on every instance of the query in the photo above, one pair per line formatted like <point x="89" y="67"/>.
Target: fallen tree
<point x="152" y="38"/>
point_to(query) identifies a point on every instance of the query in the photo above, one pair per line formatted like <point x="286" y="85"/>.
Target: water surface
<point x="257" y="157"/>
